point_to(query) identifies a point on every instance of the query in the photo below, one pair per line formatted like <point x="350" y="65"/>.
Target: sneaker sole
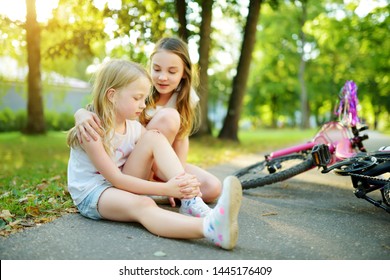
<point x="235" y="197"/>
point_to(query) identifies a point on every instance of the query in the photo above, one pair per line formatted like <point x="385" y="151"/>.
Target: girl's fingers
<point x="98" y="124"/>
<point x="82" y="134"/>
<point x="88" y="131"/>
<point x="187" y="179"/>
<point x="172" y="201"/>
<point x="93" y="130"/>
<point x="192" y="195"/>
<point x="78" y="135"/>
<point x="188" y="185"/>
<point x="190" y="190"/>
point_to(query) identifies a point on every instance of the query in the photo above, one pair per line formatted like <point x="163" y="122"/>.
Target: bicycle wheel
<point x="258" y="175"/>
<point x="386" y="194"/>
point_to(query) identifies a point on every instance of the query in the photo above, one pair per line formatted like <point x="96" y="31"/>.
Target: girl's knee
<point x="167" y="114"/>
<point x="141" y="205"/>
<point x="211" y="190"/>
<point x="167" y="120"/>
<point x="145" y="202"/>
<point x="153" y="135"/>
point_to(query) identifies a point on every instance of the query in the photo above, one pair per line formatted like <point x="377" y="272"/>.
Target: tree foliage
<point x="339" y="44"/>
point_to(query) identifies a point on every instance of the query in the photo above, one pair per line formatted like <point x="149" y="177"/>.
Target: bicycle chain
<point x="369" y="177"/>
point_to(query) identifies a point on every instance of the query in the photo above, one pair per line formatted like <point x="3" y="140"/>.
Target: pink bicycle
<point x="341" y="137"/>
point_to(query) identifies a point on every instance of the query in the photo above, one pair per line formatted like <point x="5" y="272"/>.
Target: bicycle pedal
<point x="321" y="155"/>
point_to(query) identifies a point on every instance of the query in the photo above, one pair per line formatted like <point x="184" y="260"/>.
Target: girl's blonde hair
<point x="189" y="114"/>
<point x="114" y="74"/>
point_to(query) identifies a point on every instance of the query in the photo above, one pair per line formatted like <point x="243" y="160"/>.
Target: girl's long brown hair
<point x="189" y="115"/>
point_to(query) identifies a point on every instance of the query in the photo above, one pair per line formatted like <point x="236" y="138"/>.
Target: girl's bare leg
<point x="210" y="185"/>
<point x="167" y="121"/>
<point x="181" y="147"/>
<point x="220" y="226"/>
<point x="118" y="205"/>
<point x="152" y="148"/>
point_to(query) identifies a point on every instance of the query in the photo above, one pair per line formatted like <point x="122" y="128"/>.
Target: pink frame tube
<point x="293" y="149"/>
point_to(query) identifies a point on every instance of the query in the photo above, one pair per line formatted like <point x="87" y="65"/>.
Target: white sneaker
<point x="194" y="207"/>
<point x="221" y="226"/>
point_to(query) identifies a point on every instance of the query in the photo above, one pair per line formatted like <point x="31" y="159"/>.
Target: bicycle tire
<point x="259" y="165"/>
<point x="250" y="177"/>
<point x="386" y="194"/>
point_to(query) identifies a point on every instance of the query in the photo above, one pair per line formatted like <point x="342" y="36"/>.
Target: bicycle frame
<point x="336" y="135"/>
<point x="333" y="134"/>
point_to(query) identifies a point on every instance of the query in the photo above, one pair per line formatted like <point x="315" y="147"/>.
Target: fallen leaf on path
<point x="55" y="178"/>
<point x="6" y="194"/>
<point x="42" y="186"/>
<point x="32" y="211"/>
<point x="159" y="254"/>
<point x="14" y="223"/>
<point x="28" y="223"/>
<point x="269" y="214"/>
<point x="6" y="215"/>
<point x="71" y="210"/>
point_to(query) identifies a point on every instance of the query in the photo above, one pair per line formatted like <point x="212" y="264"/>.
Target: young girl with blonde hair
<point x="107" y="177"/>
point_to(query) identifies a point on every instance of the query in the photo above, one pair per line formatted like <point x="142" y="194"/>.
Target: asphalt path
<point x="312" y="216"/>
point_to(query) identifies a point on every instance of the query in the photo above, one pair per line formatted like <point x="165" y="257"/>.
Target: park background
<point x="268" y="63"/>
<point x="269" y="73"/>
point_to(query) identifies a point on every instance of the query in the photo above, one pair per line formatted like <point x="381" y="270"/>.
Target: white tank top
<point x="83" y="177"/>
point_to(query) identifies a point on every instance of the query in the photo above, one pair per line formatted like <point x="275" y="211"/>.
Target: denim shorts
<point x="89" y="206"/>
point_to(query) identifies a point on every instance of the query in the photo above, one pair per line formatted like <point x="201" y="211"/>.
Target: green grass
<point x="32" y="180"/>
<point x="208" y="151"/>
<point x="33" y="170"/>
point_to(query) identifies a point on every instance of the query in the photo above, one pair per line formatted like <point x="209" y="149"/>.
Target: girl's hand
<point x="88" y="125"/>
<point x="187" y="185"/>
<point x="172" y="201"/>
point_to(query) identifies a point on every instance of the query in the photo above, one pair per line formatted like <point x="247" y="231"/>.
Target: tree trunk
<point x="35" y="116"/>
<point x="301" y="76"/>
<point x="181" y="8"/>
<point x="204" y="53"/>
<point x="230" y="126"/>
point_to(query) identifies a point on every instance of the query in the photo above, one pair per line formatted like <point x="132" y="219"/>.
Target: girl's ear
<point x="111" y="94"/>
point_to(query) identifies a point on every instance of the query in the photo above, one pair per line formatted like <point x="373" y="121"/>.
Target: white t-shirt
<point x="194" y="99"/>
<point x="83" y="177"/>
